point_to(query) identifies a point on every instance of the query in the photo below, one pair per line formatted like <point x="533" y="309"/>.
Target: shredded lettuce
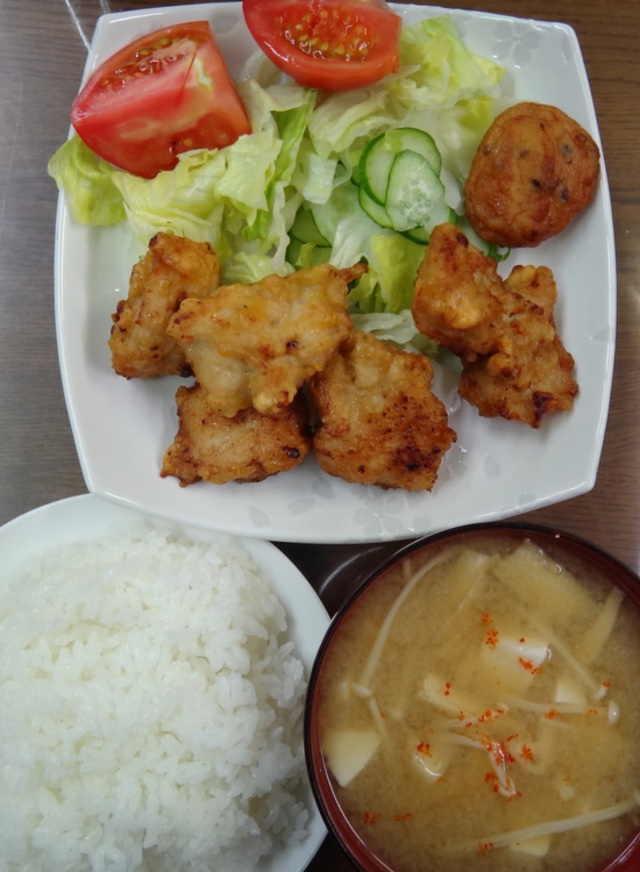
<point x="398" y="328"/>
<point x="233" y="198"/>
<point x="304" y="151"/>
<point x="441" y="86"/>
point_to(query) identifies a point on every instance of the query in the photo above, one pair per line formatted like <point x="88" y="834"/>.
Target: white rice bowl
<point x="150" y="710"/>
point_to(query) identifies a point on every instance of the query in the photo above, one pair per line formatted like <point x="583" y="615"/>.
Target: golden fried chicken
<point x="514" y="364"/>
<point x="210" y="446"/>
<point x="530" y="381"/>
<point x="536" y="284"/>
<point x="256" y="345"/>
<point x="172" y="269"/>
<point x="457" y="294"/>
<point x="534" y="171"/>
<point x="379" y="422"/>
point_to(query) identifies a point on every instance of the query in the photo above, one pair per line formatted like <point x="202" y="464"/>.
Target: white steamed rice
<point x="150" y="711"/>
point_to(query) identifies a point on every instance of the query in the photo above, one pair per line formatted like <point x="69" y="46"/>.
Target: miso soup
<point x="481" y="710"/>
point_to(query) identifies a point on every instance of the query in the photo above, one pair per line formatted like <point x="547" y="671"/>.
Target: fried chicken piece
<point x="457" y="294"/>
<point x="172" y="269"/>
<point x="514" y="364"/>
<point x="536" y="284"/>
<point x="534" y="171"/>
<point x="525" y="384"/>
<point x="210" y="446"/>
<point x="379" y="421"/>
<point x="255" y="345"/>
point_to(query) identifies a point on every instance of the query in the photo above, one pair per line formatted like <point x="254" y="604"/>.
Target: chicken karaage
<point x="256" y="345"/>
<point x="514" y="364"/>
<point x="378" y="420"/>
<point x="173" y="269"/>
<point x="210" y="446"/>
<point x="457" y="294"/>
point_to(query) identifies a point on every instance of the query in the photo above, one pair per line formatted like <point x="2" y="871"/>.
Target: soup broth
<point x="481" y="711"/>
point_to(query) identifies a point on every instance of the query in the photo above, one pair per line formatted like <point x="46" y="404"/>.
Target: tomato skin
<point x="163" y="94"/>
<point x="313" y="40"/>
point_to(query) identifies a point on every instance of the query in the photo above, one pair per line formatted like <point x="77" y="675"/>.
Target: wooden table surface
<point x="43" y="46"/>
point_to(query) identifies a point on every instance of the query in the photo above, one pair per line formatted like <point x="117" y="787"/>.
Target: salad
<point x="317" y="179"/>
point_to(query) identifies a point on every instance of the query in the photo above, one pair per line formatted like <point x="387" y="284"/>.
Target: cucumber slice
<point x="417" y="234"/>
<point x="423" y="233"/>
<point x="413" y="139"/>
<point x="379" y="155"/>
<point x="415" y="194"/>
<point x="305" y="229"/>
<point x="374" y="167"/>
<point x="373" y="209"/>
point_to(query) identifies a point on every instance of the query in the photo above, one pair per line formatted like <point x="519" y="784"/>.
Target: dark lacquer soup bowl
<point x="476" y="705"/>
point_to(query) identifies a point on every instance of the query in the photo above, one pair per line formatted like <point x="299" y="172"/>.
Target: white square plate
<point x="496" y="469"/>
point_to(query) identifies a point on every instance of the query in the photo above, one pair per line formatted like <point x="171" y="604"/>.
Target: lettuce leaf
<point x="396" y="327"/>
<point x="87" y="182"/>
<point x="464" y="83"/>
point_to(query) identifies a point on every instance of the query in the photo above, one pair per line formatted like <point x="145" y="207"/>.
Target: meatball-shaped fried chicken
<point x="172" y="269"/>
<point x="211" y="447"/>
<point x="514" y="364"/>
<point x="255" y="345"/>
<point x="534" y="170"/>
<point x="379" y="422"/>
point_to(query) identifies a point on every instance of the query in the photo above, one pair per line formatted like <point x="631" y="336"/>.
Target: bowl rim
<point x="353" y="846"/>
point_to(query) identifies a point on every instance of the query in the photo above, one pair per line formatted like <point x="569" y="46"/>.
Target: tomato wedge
<point x="335" y="45"/>
<point x="166" y="93"/>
